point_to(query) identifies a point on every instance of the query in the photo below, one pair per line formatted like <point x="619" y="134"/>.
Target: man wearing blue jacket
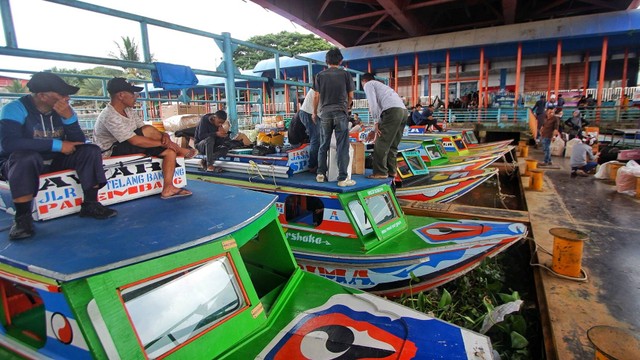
<point x="39" y="133"/>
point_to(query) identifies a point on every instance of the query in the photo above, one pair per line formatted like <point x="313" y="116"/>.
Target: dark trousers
<point x="385" y="151"/>
<point x="23" y="169"/>
<point x="214" y="147"/>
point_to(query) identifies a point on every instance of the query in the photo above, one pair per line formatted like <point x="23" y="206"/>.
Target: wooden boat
<point x="459" y="143"/>
<point x="415" y="181"/>
<point x="359" y="236"/>
<point x="208" y="276"/>
<point x="438" y="160"/>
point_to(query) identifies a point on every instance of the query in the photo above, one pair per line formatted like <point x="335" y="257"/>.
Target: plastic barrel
<point x="613" y="343"/>
<point x="524" y="151"/>
<point x="532" y="164"/>
<point x="537" y="178"/>
<point x="567" y="251"/>
<point x="613" y="170"/>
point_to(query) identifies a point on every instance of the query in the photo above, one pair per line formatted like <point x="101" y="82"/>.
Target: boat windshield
<point x="433" y="152"/>
<point x="381" y="208"/>
<point x="168" y="311"/>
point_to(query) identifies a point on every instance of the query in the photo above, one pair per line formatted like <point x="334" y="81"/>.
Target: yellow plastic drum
<point x="567" y="251"/>
<point x="537" y="178"/>
<point x="613" y="170"/>
<point x="532" y="164"/>
<point x="612" y="343"/>
<point x="524" y="151"/>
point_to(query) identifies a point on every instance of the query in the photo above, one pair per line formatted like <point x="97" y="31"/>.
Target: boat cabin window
<point x="381" y="208"/>
<point x="415" y="162"/>
<point x="168" y="311"/>
<point x="304" y="210"/>
<point x="460" y="144"/>
<point x="23" y="313"/>
<point x="403" y="167"/>
<point x="433" y="152"/>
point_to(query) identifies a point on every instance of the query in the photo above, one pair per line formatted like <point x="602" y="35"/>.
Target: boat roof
<point x="305" y="180"/>
<point x="71" y="247"/>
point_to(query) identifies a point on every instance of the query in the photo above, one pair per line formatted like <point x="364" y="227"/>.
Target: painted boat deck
<point x="610" y="258"/>
<point x="300" y="180"/>
<point x="72" y="247"/>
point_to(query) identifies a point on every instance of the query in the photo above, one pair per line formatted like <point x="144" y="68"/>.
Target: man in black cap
<point x="119" y="130"/>
<point x="40" y="133"/>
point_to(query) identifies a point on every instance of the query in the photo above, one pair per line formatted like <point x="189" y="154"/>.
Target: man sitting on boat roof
<point x="40" y="133"/>
<point x="212" y="137"/>
<point x="119" y="130"/>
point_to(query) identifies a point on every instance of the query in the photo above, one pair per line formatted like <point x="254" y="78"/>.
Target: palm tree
<point x="128" y="50"/>
<point x="16" y="87"/>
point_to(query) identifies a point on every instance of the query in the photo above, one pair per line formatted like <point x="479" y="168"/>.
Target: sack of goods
<point x="557" y="146"/>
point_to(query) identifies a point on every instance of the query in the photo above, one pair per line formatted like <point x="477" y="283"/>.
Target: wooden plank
<point x="421" y="208"/>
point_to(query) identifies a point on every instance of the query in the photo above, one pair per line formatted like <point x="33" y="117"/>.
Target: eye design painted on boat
<point x="342" y="342"/>
<point x="61" y="328"/>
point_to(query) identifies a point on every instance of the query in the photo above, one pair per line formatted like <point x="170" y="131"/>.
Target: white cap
<point x="553" y="96"/>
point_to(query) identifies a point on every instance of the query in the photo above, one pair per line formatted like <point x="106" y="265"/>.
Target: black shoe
<point x="22" y="227"/>
<point x="573" y="174"/>
<point x="96" y="210"/>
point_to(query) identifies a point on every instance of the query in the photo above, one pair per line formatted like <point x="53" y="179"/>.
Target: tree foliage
<point x="129" y="50"/>
<point x="88" y="86"/>
<point x="293" y="42"/>
<point x="16" y="87"/>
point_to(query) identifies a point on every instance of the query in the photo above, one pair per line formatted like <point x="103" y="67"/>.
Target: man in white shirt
<point x="119" y="130"/>
<point x="386" y="106"/>
<point x="311" y="124"/>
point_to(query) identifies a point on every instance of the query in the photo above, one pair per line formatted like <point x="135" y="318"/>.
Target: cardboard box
<point x="180" y="109"/>
<point x="357" y="161"/>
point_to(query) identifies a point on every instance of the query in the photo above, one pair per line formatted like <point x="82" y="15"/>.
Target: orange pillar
<point x="395" y="73"/>
<point x="287" y="107"/>
<point x="558" y="63"/>
<point x="625" y="64"/>
<point x="429" y="84"/>
<point x="416" y="80"/>
<point x="603" y="66"/>
<point x="486" y="86"/>
<point x="369" y="66"/>
<point x="549" y="76"/>
<point x="480" y="92"/>
<point x="446" y="84"/>
<point x="518" y="66"/>
<point x="586" y="74"/>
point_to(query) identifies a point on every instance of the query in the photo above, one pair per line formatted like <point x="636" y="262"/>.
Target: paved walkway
<point x="611" y="295"/>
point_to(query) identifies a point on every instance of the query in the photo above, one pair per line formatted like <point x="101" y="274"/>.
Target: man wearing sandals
<point x="386" y="106"/>
<point x="119" y="130"/>
<point x="332" y="100"/>
<point x="212" y="138"/>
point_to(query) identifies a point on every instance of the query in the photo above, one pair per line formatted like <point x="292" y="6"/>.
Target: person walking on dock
<point x="386" y="106"/>
<point x="334" y="94"/>
<point x="548" y="131"/>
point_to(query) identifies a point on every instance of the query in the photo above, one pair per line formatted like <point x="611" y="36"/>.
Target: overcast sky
<point x="46" y="26"/>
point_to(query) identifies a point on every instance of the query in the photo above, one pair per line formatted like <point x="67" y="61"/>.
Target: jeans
<point x="546" y="146"/>
<point x="338" y="121"/>
<point x="314" y="138"/>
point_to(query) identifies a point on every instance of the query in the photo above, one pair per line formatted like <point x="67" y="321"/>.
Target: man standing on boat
<point x="334" y="94"/>
<point x="386" y="106"/>
<point x="119" y="130"/>
<point x="313" y="129"/>
<point x="40" y="133"/>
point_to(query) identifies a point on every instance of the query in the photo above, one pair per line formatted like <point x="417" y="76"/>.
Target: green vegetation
<point x="468" y="300"/>
<point x="296" y="43"/>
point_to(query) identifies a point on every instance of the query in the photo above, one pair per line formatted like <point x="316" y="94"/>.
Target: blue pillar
<point x="594" y="69"/>
<point x="503" y="79"/>
<point x="229" y="83"/>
